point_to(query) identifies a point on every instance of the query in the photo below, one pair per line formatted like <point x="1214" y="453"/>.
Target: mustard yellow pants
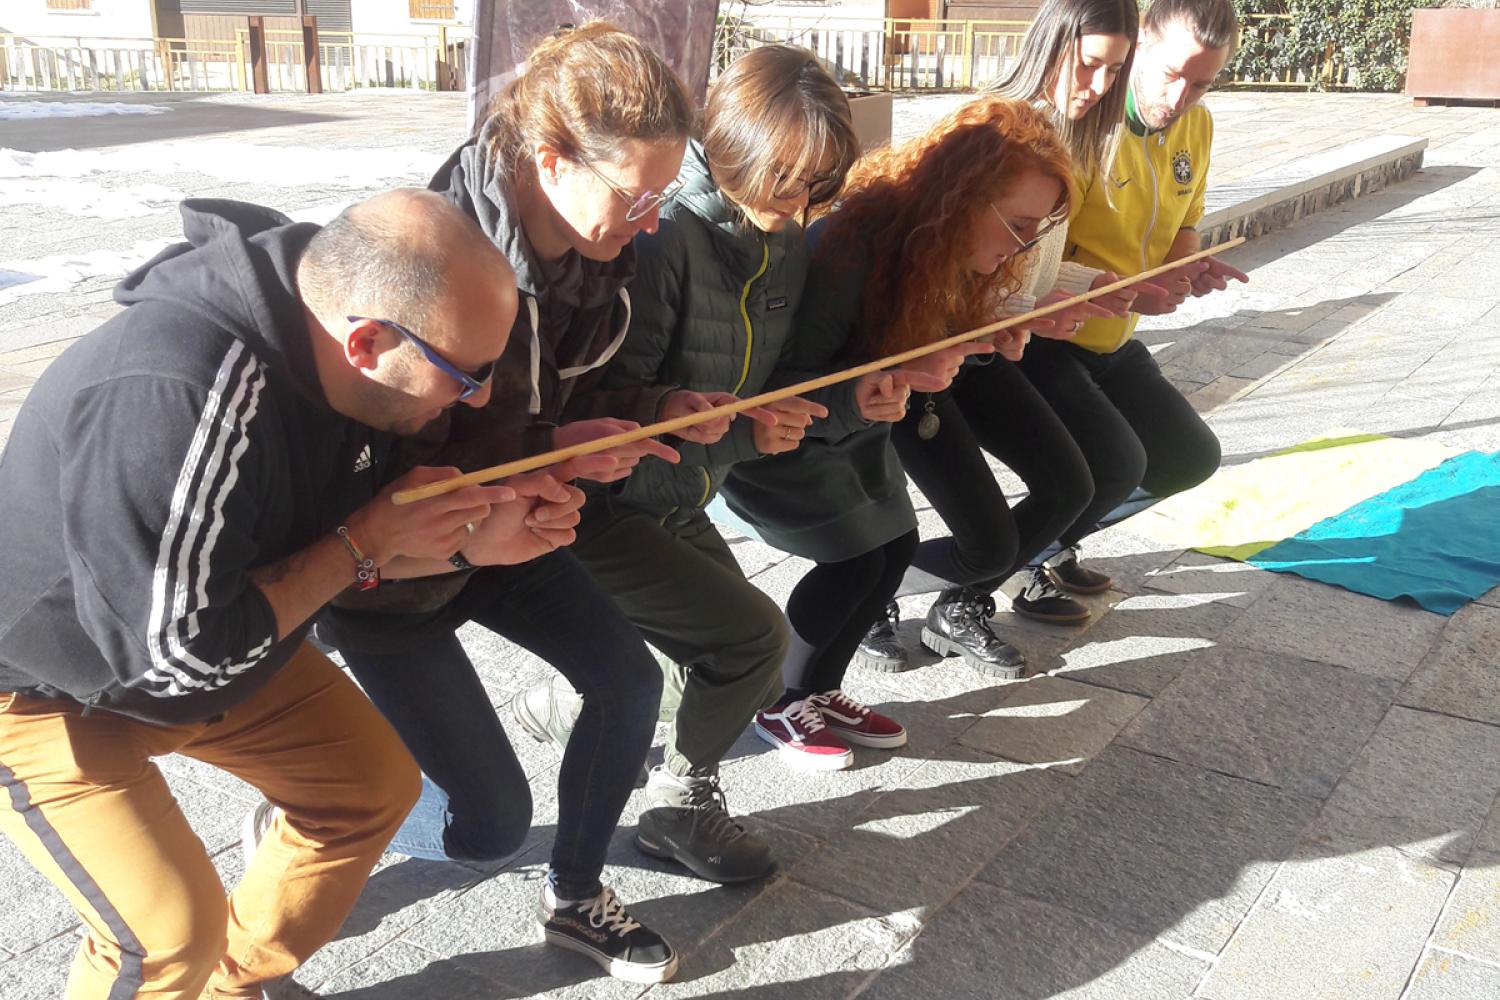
<point x="80" y="796"/>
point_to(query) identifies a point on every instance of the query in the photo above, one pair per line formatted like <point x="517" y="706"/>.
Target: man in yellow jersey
<point x="1134" y="427"/>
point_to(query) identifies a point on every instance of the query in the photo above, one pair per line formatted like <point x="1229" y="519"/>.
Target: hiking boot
<point x="796" y="730"/>
<point x="600" y="929"/>
<point x="1071" y="575"/>
<point x="856" y="723"/>
<point x="254" y="829"/>
<point x="958" y="624"/>
<point x="1042" y="601"/>
<point x="688" y="822"/>
<point x="880" y="649"/>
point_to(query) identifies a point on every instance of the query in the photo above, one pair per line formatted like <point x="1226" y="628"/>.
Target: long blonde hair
<point x="1048" y="50"/>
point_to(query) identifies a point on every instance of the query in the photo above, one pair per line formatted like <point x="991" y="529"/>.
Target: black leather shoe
<point x="1071" y="575"/>
<point x="880" y="649"/>
<point x="959" y="625"/>
<point x="1042" y="601"/>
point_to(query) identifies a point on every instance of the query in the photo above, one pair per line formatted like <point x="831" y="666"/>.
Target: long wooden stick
<point x="545" y="459"/>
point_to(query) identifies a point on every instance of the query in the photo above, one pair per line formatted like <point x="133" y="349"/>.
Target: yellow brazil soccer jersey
<point x="1157" y="185"/>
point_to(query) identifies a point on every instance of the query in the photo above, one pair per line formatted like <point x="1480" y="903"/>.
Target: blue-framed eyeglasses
<point x="472" y="382"/>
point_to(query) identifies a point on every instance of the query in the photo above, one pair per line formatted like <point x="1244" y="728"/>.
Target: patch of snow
<point x="60" y="272"/>
<point x="228" y="160"/>
<point x="9" y="279"/>
<point x="86" y="199"/>
<point x="35" y="110"/>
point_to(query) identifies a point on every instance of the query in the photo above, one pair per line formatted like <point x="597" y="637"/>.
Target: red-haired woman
<point x="924" y="243"/>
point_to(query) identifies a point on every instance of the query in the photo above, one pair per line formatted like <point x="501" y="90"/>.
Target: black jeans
<point x="1134" y="427"/>
<point x="834" y="605"/>
<point x="476" y="804"/>
<point x="994" y="408"/>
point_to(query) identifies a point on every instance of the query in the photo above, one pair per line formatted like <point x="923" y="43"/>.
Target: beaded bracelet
<point x="366" y="573"/>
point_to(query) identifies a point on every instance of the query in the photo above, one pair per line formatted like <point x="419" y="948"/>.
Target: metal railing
<point x="116" y="64"/>
<point x="345" y="62"/>
<point x="893" y="54"/>
<point x="899" y="54"/>
<point x="908" y="54"/>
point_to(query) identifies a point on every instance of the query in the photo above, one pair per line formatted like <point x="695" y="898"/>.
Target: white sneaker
<point x="253" y="830"/>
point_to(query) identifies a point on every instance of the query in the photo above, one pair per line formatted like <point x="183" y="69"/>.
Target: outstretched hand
<point x="626" y="456"/>
<point x="1217" y="276"/>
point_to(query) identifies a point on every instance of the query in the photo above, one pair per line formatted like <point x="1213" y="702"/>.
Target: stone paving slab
<point x="1315" y="621"/>
<point x="1297" y="943"/>
<point x="1155" y="847"/>
<point x="1148" y="640"/>
<point x="1471" y="922"/>
<point x="1052" y="714"/>
<point x="990" y="944"/>
<point x="1293" y="724"/>
<point x="40" y="972"/>
<point x="914" y="847"/>
<point x="1442" y="976"/>
<point x="1461" y="676"/>
<point x="1424" y="784"/>
<point x="785" y="943"/>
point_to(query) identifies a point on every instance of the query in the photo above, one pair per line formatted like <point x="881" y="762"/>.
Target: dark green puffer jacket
<point x="843" y="493"/>
<point x="715" y="304"/>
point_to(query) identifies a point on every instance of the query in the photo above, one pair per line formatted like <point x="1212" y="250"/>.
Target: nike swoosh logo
<point x="1121" y="184"/>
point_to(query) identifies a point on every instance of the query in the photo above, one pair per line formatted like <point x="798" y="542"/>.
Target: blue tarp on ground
<point x="1435" y="539"/>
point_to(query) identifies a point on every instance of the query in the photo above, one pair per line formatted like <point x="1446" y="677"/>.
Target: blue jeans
<point x="475" y="804"/>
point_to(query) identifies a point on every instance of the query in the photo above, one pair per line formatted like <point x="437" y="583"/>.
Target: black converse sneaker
<point x="1071" y="575"/>
<point x="1042" y="601"/>
<point x="880" y="649"/>
<point x="601" y="929"/>
<point x="958" y="624"/>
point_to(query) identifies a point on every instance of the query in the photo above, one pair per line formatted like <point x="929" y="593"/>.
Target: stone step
<point x="1293" y="191"/>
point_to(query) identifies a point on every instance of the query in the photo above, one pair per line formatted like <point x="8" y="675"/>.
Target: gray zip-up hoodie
<point x="574" y="315"/>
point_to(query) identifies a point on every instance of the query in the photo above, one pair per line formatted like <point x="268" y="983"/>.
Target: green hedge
<point x="1368" y="40"/>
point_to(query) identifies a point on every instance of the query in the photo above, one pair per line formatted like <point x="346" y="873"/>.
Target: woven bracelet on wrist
<point x="366" y="573"/>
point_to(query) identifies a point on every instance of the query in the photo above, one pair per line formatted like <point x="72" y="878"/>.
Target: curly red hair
<point x="912" y="206"/>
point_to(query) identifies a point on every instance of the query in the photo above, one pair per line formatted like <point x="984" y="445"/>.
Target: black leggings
<point x="1133" y="425"/>
<point x="834" y="605"/>
<point x="991" y="407"/>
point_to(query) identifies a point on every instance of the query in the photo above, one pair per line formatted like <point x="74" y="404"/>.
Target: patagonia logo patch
<point x="779" y="302"/>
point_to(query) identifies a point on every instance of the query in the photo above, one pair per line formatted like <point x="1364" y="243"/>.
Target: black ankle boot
<point x="959" y="625"/>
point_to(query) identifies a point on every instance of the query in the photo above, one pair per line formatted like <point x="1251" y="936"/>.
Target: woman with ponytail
<point x="577" y="156"/>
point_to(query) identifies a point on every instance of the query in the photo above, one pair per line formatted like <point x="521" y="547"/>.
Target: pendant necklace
<point x="927" y="426"/>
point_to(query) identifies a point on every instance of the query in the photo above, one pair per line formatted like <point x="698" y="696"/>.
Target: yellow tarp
<point x="1243" y="509"/>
